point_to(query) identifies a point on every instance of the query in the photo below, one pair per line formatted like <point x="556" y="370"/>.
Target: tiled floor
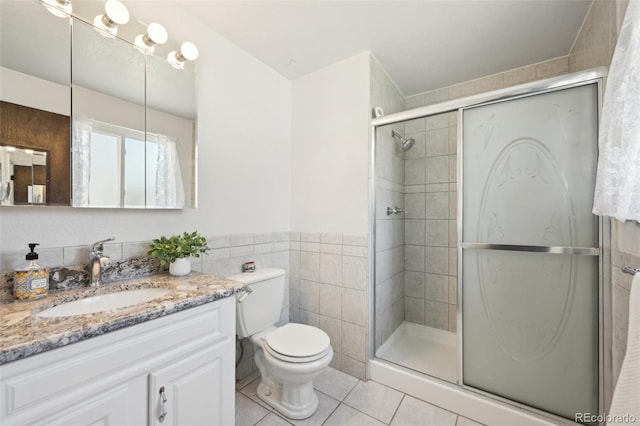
<point x="347" y="401"/>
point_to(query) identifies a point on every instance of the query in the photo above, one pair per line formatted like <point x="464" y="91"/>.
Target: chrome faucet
<point x="98" y="262"/>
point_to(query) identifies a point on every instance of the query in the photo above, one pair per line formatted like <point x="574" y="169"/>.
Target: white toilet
<point x="289" y="357"/>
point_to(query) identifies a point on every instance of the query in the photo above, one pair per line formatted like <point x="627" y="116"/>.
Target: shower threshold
<point x="425" y="349"/>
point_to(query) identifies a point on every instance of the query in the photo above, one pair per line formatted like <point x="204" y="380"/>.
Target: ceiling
<point x="423" y="45"/>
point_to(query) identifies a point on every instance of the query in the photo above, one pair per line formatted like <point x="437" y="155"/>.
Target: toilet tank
<point x="261" y="308"/>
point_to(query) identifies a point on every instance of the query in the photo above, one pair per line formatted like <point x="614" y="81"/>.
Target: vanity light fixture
<point x="188" y="52"/>
<point x="59" y="8"/>
<point x="115" y="13"/>
<point x="156" y="34"/>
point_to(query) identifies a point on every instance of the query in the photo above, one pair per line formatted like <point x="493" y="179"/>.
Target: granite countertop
<point x="23" y="334"/>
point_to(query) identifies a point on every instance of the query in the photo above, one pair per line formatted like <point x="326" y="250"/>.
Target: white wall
<point x="330" y="155"/>
<point x="34" y="92"/>
<point x="244" y="148"/>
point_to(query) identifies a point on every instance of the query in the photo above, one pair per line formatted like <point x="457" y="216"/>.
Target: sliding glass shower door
<point x="529" y="245"/>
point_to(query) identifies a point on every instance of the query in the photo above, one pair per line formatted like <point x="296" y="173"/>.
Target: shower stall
<point x="488" y="268"/>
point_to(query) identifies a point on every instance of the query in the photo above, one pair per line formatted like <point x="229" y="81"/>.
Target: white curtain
<point x="81" y="161"/>
<point x="169" y="186"/>
<point x="617" y="192"/>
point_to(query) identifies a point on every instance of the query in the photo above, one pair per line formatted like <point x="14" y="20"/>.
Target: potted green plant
<point x="177" y="251"/>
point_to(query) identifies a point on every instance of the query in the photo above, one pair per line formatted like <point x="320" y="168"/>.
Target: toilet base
<point x="274" y="397"/>
<point x="288" y="386"/>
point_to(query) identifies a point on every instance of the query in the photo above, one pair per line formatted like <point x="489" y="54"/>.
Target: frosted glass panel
<point x="528" y="178"/>
<point x="531" y="328"/>
<point x="529" y="170"/>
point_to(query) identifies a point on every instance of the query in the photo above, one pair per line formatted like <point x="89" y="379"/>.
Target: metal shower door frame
<point x="560" y="84"/>
<point x="593" y="76"/>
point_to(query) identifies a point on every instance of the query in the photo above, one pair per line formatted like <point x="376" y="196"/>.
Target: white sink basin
<point x="104" y="302"/>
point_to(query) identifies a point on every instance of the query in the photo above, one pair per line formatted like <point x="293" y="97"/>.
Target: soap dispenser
<point x="32" y="281"/>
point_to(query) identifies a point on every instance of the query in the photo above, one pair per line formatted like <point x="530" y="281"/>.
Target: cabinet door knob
<point x="163" y="401"/>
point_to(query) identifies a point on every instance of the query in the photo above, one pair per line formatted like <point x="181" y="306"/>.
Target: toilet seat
<point x="297" y="343"/>
<point x="292" y="359"/>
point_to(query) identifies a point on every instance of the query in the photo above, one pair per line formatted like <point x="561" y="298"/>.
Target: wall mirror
<point x="35" y="77"/>
<point x="24" y="176"/>
<point x="131" y="116"/>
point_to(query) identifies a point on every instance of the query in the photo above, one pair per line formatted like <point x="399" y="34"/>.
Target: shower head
<point x="407" y="144"/>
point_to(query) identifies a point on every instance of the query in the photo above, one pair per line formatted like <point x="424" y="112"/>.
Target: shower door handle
<point x="588" y="251"/>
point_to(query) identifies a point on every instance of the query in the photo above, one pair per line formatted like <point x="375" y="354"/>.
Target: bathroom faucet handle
<point x="105" y="262"/>
<point x="98" y="245"/>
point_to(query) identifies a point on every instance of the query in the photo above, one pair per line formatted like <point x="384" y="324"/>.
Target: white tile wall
<point x="625" y="250"/>
<point x="520" y="76"/>
<point x="426" y="227"/>
<point x="595" y="44"/>
<point x="329" y="290"/>
<point x="430" y="224"/>
<point x="392" y="175"/>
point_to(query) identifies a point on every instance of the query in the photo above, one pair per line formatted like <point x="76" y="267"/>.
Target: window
<point x="115" y="166"/>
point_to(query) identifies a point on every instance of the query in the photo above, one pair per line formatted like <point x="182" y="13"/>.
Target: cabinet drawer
<point x="106" y="408"/>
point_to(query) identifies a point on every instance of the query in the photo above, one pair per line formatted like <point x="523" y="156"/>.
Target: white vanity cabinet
<point x="116" y="378"/>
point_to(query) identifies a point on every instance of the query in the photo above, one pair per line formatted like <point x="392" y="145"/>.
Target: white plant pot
<point x="180" y="266"/>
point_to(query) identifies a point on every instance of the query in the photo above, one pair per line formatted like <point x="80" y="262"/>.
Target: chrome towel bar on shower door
<point x="590" y="251"/>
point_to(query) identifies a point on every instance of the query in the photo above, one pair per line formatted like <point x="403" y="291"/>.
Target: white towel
<point x="626" y="397"/>
<point x="617" y="192"/>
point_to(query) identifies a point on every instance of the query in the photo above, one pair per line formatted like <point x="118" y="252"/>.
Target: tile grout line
<point x="332" y="412"/>
<point x="369" y="415"/>
<point x="262" y="418"/>
<point x="282" y="417"/>
<point x="397" y="408"/>
<point x="254" y="402"/>
<point x="366" y="414"/>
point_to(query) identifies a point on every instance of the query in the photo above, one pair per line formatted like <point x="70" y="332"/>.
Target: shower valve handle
<point x="395" y="210"/>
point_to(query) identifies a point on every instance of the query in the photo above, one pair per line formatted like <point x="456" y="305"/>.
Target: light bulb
<point x="104" y="29"/>
<point x="59" y="8"/>
<point x="115" y="14"/>
<point x="156" y="34"/>
<point x="174" y="61"/>
<point x="188" y="51"/>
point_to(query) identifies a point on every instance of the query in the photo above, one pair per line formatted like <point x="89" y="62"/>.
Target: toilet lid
<point x="298" y="340"/>
<point x="294" y="359"/>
